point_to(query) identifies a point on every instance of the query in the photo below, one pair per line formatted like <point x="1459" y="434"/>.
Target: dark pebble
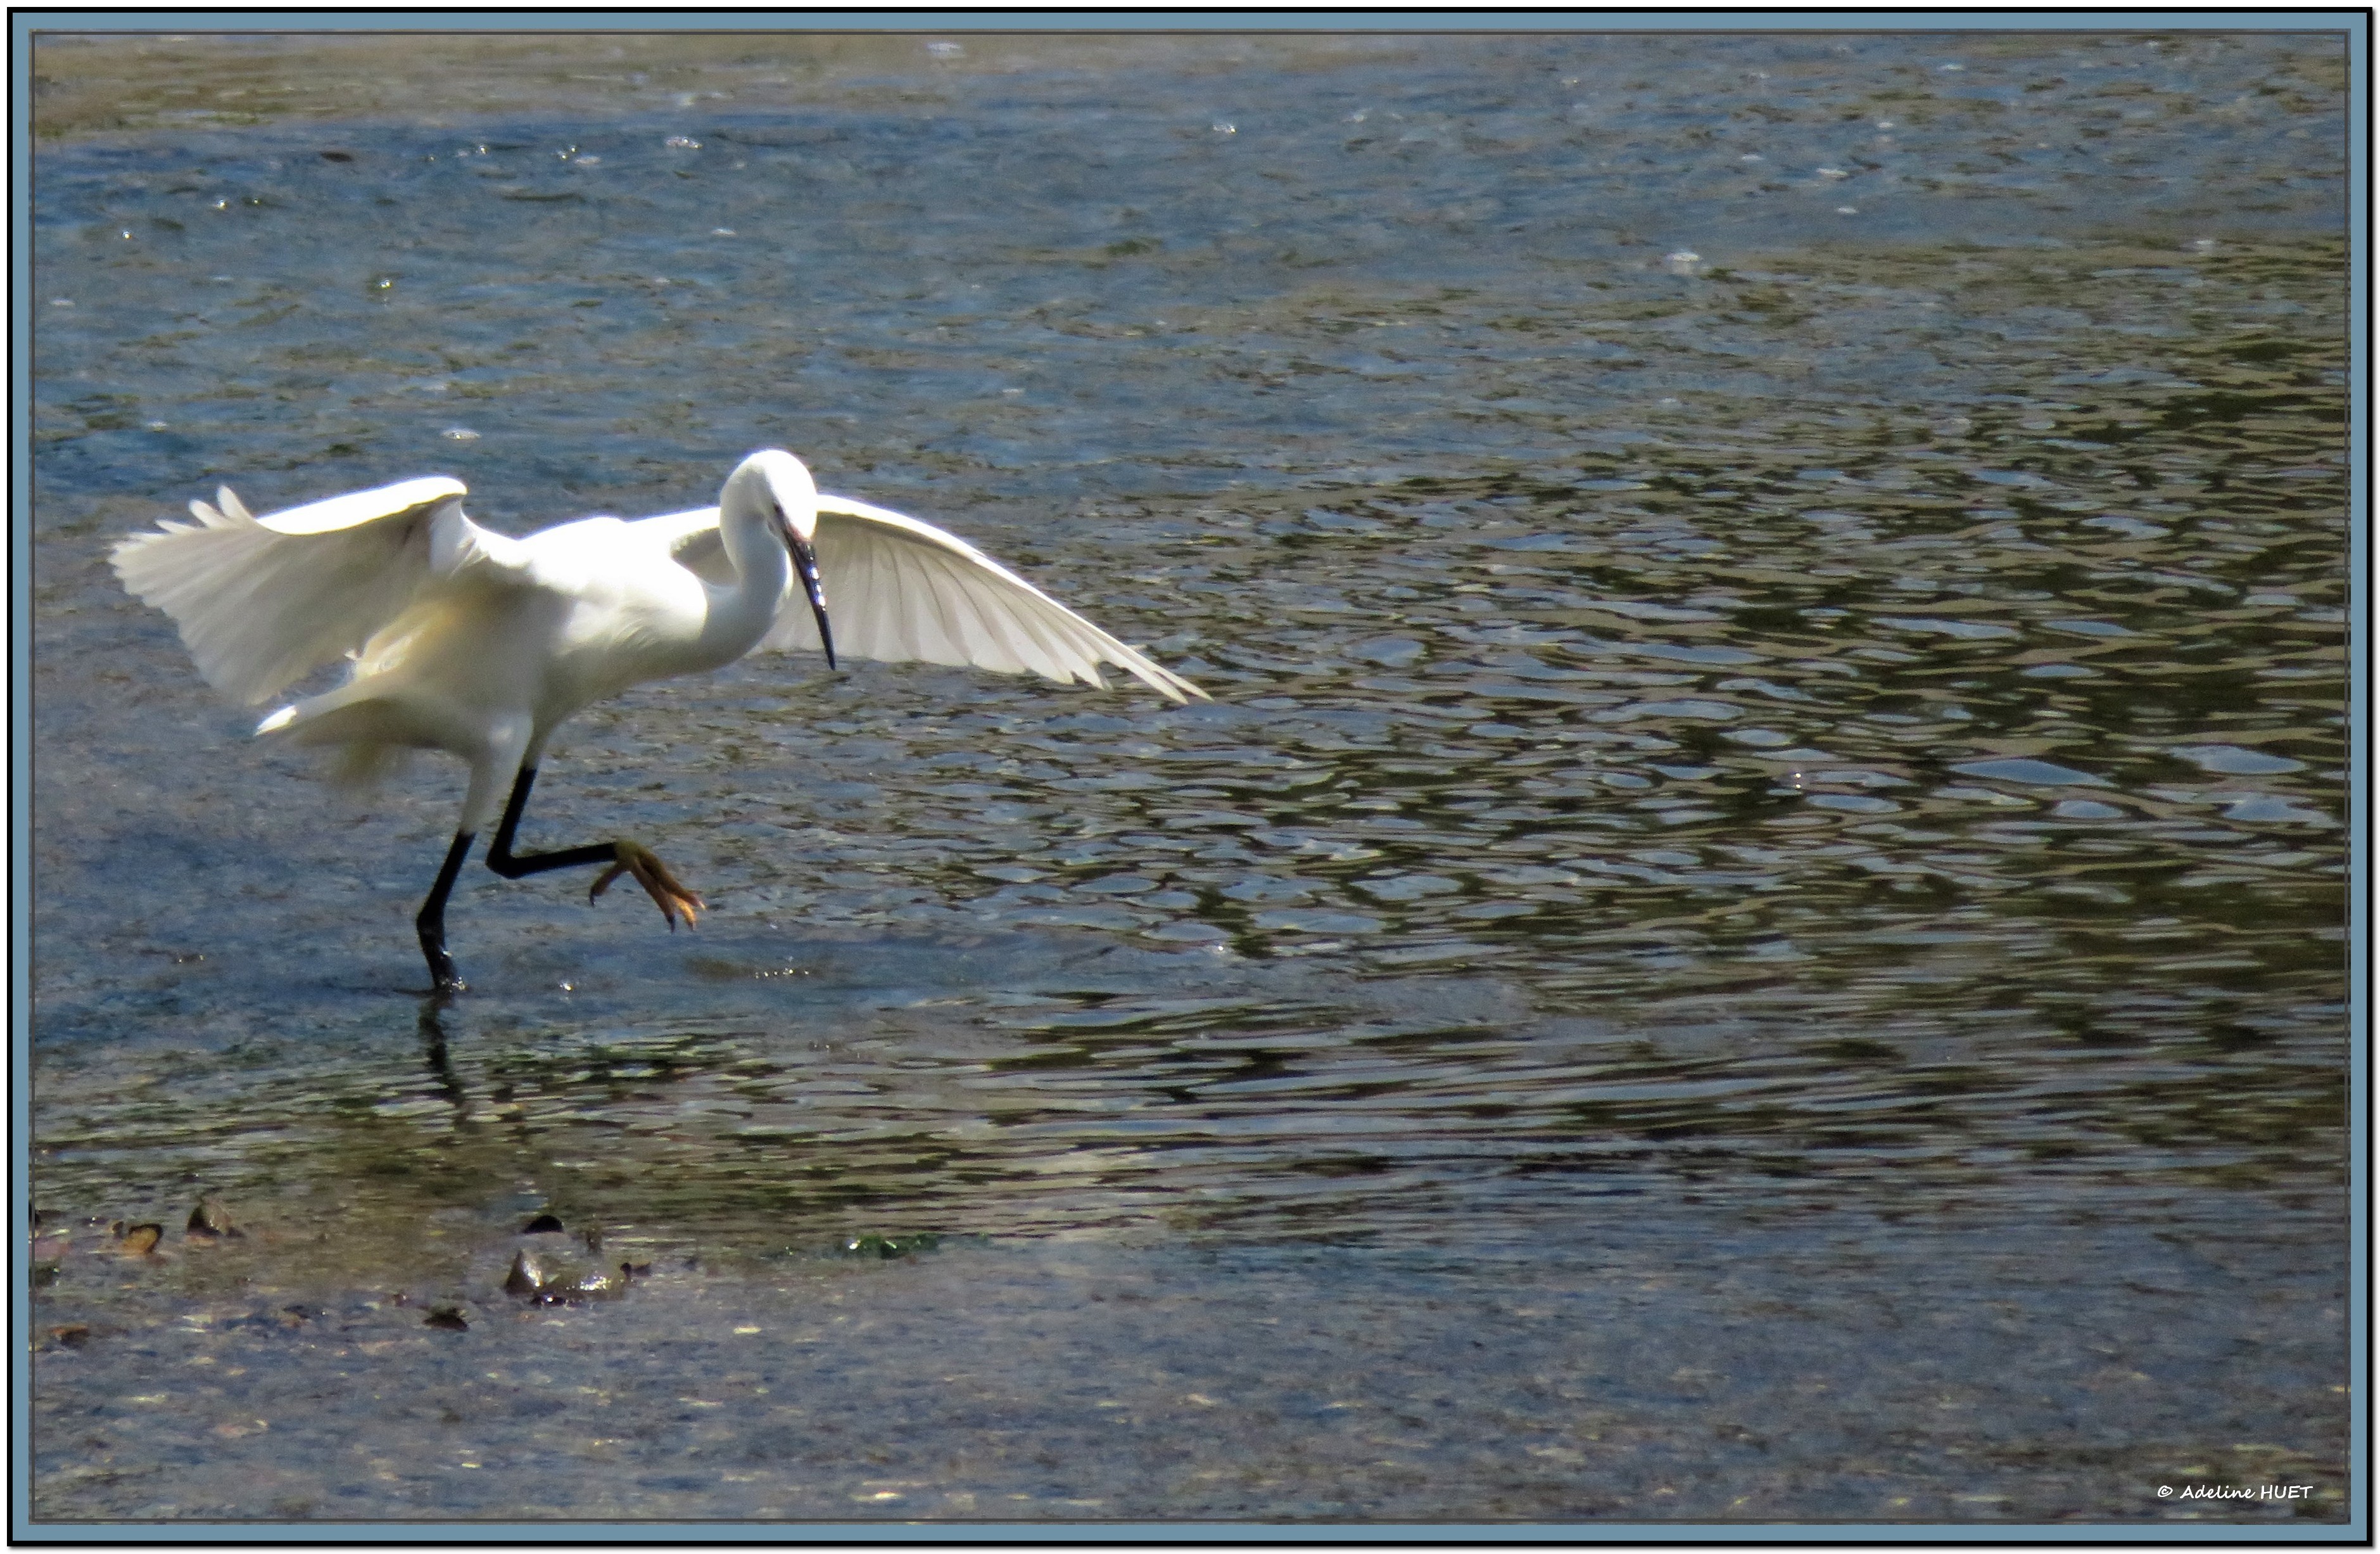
<point x="211" y="1219"/>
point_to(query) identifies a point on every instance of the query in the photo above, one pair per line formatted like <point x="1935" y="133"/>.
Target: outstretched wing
<point x="259" y="601"/>
<point x="898" y="589"/>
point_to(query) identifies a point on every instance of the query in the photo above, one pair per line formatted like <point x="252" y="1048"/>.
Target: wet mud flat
<point x="1757" y="928"/>
<point x="1629" y="1365"/>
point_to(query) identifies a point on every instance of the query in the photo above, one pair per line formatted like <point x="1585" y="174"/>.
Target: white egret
<point x="473" y="643"/>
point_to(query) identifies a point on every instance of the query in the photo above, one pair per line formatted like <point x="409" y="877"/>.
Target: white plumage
<point x="904" y="592"/>
<point x="467" y="640"/>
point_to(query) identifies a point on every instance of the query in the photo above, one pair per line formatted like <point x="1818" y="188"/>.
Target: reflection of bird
<point x="469" y="642"/>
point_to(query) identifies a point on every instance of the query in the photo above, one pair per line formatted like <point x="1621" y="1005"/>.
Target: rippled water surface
<point x="1757" y="927"/>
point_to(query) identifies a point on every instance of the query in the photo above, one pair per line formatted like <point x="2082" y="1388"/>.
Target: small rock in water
<point x="211" y="1221"/>
<point x="547" y="1282"/>
<point x="448" y="1317"/>
<point x="541" y="1225"/>
<point x="138" y="1241"/>
<point x="526" y="1277"/>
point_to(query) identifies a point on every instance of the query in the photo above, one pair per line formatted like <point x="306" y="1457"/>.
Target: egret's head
<point x="780" y="485"/>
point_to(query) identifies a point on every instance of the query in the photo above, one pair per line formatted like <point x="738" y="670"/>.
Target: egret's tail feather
<point x="360" y="768"/>
<point x="354" y="714"/>
<point x="363" y="728"/>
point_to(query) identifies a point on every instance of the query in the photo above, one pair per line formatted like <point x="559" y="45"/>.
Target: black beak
<point x="806" y="567"/>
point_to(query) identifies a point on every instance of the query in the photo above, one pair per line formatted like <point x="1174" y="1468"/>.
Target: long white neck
<point x="743" y="612"/>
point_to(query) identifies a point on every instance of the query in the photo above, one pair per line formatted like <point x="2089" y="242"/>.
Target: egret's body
<point x="469" y="642"/>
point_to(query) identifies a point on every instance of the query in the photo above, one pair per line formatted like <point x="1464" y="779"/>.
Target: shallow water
<point x="1775" y="793"/>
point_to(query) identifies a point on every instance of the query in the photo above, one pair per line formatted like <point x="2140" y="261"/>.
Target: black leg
<point x="619" y="857"/>
<point x="513" y="865"/>
<point x="431" y="922"/>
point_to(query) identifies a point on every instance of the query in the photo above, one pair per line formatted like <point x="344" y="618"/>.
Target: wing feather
<point x="261" y="601"/>
<point x="694" y="544"/>
<point x="939" y="637"/>
<point x="898" y="589"/>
